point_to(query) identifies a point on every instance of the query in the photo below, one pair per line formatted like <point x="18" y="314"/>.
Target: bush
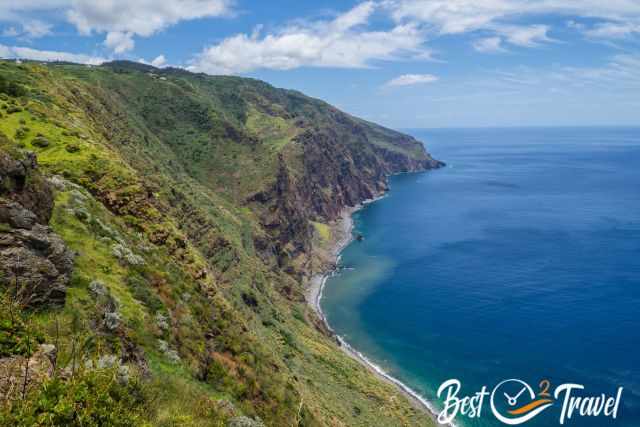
<point x="16" y="339"/>
<point x="95" y="398"/>
<point x="72" y="148"/>
<point x="40" y="141"/>
<point x="11" y="88"/>
<point x="21" y="132"/>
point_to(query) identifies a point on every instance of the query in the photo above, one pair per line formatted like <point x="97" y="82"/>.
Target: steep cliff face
<point x="341" y="168"/>
<point x="175" y="245"/>
<point x="35" y="263"/>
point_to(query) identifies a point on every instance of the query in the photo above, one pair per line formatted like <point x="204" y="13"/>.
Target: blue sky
<point x="402" y="63"/>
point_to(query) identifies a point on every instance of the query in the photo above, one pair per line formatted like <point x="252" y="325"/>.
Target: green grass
<point x="275" y="131"/>
<point x="323" y="230"/>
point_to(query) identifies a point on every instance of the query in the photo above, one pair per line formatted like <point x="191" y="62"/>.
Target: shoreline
<point x="344" y="227"/>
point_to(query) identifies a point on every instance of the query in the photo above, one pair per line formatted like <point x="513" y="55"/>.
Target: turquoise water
<point x="521" y="259"/>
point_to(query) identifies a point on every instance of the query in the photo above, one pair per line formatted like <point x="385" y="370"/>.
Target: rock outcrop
<point x="35" y="263"/>
<point x="341" y="167"/>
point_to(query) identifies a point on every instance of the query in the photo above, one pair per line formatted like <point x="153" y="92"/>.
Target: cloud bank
<point x="343" y="42"/>
<point x="119" y="20"/>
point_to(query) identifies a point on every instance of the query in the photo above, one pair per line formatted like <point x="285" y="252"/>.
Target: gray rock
<point x="124" y="374"/>
<point x="58" y="182"/>
<point x="112" y="320"/>
<point x="98" y="289"/>
<point x="35" y="263"/>
<point x="49" y="351"/>
<point x="243" y="421"/>
<point x="107" y="361"/>
<point x="162" y="322"/>
<point x="16" y="216"/>
<point x="226" y="408"/>
<point x="40" y="262"/>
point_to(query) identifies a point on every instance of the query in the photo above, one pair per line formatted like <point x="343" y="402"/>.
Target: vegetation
<point x="176" y="280"/>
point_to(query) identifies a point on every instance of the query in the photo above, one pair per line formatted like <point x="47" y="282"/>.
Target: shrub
<point x="16" y="338"/>
<point x="40" y="141"/>
<point x="11" y="88"/>
<point x="72" y="148"/>
<point x="21" y="132"/>
<point x="95" y="398"/>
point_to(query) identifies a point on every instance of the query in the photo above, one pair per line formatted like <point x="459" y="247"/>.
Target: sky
<point x="401" y="63"/>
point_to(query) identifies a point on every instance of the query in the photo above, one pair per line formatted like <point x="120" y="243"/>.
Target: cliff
<point x="168" y="219"/>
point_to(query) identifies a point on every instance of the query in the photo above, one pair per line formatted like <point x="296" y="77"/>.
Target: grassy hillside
<point x="188" y="206"/>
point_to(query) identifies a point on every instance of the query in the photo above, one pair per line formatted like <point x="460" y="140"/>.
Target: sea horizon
<point x="409" y="130"/>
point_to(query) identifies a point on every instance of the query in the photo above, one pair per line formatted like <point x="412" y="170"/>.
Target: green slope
<point x="193" y="201"/>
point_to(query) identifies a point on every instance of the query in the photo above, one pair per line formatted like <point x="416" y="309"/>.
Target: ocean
<point x="519" y="260"/>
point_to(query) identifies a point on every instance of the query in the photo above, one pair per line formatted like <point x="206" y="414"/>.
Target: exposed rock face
<point x="35" y="263"/>
<point x="20" y="184"/>
<point x="341" y="168"/>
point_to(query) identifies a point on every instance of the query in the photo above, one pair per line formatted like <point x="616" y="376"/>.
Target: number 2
<point x="544" y="388"/>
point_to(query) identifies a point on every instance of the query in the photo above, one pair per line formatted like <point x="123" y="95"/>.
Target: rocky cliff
<point x="156" y="228"/>
<point x="341" y="168"/>
<point x="35" y="263"/>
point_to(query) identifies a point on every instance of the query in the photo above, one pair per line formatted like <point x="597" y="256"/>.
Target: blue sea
<point x="519" y="260"/>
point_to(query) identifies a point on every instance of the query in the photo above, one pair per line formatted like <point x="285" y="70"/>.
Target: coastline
<point x="343" y="227"/>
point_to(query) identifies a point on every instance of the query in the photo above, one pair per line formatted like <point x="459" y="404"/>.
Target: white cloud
<point x="159" y="61"/>
<point x="451" y="16"/>
<point x="342" y="42"/>
<point x="31" y="29"/>
<point x="140" y="17"/>
<point x="121" y="20"/>
<point x="15" y="10"/>
<point x="48" y="55"/>
<point x="489" y="45"/>
<point x="412" y="79"/>
<point x="34" y="29"/>
<point x="620" y="74"/>
<point x="119" y="42"/>
<point x="10" y="32"/>
<point x="526" y="36"/>
<point x="612" y="30"/>
<point x="460" y="16"/>
<point x="622" y="71"/>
